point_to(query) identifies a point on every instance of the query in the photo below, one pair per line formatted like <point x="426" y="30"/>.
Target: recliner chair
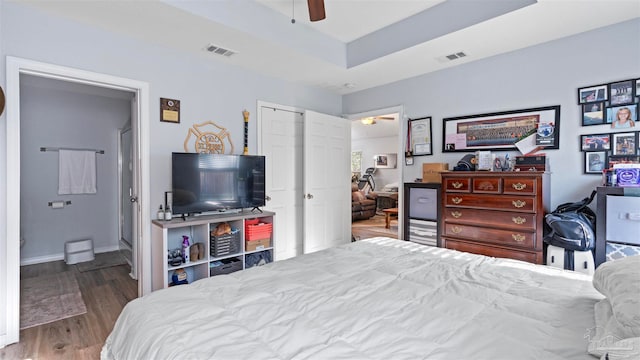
<point x="362" y="206"/>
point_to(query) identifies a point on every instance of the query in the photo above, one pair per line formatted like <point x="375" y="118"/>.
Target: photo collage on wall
<point x="614" y="105"/>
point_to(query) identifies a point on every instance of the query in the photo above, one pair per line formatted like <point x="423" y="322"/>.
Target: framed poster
<point x="420" y="136"/>
<point x="538" y="127"/>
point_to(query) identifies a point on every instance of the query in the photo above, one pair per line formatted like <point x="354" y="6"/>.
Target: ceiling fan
<point x="372" y="120"/>
<point x="316" y="10"/>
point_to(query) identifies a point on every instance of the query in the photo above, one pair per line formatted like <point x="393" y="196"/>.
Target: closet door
<point x="327" y="181"/>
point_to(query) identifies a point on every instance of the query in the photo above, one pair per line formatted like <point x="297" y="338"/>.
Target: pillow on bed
<point x="619" y="281"/>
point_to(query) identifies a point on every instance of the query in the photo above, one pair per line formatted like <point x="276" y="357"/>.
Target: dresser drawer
<point x="500" y="219"/>
<point x="457" y="184"/>
<point x="487" y="185"/>
<point x="493" y="251"/>
<point x="520" y="185"/>
<point x="485" y="201"/>
<point x="511" y="238"/>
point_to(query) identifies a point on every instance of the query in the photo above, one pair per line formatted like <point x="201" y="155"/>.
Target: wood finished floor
<point x="372" y="227"/>
<point x="104" y="291"/>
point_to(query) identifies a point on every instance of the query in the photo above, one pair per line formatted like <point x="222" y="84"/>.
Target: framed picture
<point x="385" y="161"/>
<point x="595" y="142"/>
<point x="621" y="92"/>
<point x="517" y="129"/>
<point x="622" y="117"/>
<point x="594" y="162"/>
<point x="420" y="136"/>
<point x="622" y="159"/>
<point x="637" y="93"/>
<point x="624" y="143"/>
<point x="592" y="94"/>
<point x="593" y="114"/>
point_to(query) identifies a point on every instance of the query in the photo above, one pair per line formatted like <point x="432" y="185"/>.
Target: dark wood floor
<point x="104" y="291"/>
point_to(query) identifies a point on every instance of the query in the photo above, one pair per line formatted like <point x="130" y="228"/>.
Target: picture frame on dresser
<point x="503" y="130"/>
<point x="594" y="162"/>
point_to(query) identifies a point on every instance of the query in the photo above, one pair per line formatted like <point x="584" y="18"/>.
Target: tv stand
<point x="168" y="235"/>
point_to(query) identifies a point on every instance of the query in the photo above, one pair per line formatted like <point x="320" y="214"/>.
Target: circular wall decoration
<point x="1" y="101"/>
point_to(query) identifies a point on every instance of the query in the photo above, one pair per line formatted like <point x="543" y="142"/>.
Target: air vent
<point x="219" y="50"/>
<point x="451" y="57"/>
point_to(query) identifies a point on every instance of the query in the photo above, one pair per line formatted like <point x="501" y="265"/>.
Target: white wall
<point x="59" y="118"/>
<point x="379" y="145"/>
<point x="209" y="89"/>
<point x="547" y="74"/>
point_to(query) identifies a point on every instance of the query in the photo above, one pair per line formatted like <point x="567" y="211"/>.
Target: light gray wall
<point x="547" y="74"/>
<point x="59" y="118"/>
<point x="380" y="145"/>
<point x="209" y="90"/>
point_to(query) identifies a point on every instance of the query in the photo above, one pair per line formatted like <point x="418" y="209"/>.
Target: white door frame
<point x="402" y="131"/>
<point x="15" y="67"/>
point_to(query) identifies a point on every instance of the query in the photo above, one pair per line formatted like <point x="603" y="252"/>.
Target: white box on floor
<point x="77" y="251"/>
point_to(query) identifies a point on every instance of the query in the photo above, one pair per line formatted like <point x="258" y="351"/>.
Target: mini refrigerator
<point x="422" y="213"/>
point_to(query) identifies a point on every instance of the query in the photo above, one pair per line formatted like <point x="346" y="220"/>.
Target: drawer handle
<point x="519" y="203"/>
<point x="457" y="184"/>
<point x="456" y="200"/>
<point x="519" y="220"/>
<point x="456" y="229"/>
<point x="519" y="186"/>
<point x="456" y="214"/>
<point x="518" y="237"/>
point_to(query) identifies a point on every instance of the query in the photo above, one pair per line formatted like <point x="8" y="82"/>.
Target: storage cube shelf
<point x="223" y="253"/>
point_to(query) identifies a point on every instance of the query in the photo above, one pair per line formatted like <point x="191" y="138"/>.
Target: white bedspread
<point x="373" y="299"/>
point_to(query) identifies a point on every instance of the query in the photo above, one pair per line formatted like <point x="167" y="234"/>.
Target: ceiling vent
<point x="451" y="57"/>
<point x="219" y="50"/>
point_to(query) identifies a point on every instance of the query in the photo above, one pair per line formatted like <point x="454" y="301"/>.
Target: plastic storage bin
<point x="227" y="244"/>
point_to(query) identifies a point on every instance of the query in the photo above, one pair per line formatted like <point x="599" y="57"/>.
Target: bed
<point x="379" y="298"/>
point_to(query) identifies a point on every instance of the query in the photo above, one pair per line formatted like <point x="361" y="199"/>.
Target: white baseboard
<point x="60" y="256"/>
<point x="3" y="341"/>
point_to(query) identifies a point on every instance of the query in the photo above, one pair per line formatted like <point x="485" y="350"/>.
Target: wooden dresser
<point x="498" y="214"/>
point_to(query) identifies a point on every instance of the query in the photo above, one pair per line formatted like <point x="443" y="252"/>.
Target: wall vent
<point x="219" y="50"/>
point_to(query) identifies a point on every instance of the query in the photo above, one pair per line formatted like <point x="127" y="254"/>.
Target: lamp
<point x="368" y="121"/>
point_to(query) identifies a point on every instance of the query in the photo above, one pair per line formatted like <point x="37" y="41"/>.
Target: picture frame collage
<point x="601" y="151"/>
<point x="615" y="105"/>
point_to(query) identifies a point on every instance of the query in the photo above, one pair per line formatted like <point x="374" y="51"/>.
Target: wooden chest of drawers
<point x="498" y="214"/>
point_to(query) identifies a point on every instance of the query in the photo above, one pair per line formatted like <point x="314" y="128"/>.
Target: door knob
<point x="267" y="198"/>
<point x="309" y="196"/>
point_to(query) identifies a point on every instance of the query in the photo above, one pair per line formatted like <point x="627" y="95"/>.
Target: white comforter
<point x="373" y="299"/>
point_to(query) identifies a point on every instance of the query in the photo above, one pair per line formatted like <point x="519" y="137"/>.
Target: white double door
<point x="308" y="178"/>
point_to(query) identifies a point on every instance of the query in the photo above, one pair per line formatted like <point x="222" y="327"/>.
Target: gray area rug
<point x="49" y="298"/>
<point x="102" y="260"/>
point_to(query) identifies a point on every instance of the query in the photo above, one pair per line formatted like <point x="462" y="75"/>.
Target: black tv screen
<point x="215" y="182"/>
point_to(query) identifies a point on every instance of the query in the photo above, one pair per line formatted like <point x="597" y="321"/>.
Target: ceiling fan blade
<point x="316" y="10"/>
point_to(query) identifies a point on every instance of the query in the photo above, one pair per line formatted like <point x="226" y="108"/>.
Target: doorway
<point x="15" y="68"/>
<point x="377" y="172"/>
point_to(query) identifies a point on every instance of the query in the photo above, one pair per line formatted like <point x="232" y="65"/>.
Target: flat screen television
<point x="216" y="182"/>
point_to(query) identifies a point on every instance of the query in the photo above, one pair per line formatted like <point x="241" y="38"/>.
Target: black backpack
<point x="572" y="225"/>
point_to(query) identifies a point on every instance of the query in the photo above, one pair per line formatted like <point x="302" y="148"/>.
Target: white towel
<point x="77" y="172"/>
